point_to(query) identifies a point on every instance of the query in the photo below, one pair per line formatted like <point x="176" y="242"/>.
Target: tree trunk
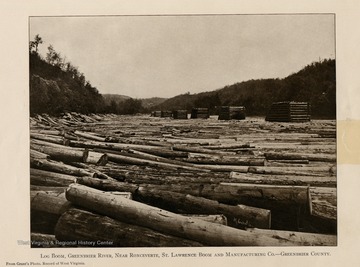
<point x="84" y="227"/>
<point x="166" y="222"/>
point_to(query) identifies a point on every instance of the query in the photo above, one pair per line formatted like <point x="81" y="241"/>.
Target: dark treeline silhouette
<point x="57" y="86"/>
<point x="315" y="84"/>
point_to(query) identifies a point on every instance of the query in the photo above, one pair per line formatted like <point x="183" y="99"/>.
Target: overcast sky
<point x="147" y="56"/>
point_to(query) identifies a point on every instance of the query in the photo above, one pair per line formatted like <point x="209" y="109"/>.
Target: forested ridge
<point x="315" y="83"/>
<point x="57" y="86"/>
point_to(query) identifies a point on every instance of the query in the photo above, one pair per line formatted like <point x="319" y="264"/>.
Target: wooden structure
<point x="289" y="112"/>
<point x="180" y="114"/>
<point x="232" y="113"/>
<point x="156" y="113"/>
<point x="200" y="113"/>
<point x="166" y="114"/>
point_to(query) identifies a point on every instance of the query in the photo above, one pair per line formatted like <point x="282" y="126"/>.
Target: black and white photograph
<point x="183" y="131"/>
<point x="180" y="133"/>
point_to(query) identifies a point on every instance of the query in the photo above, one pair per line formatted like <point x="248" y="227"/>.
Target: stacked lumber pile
<point x="289" y="112"/>
<point x="156" y="113"/>
<point x="166" y="114"/>
<point x="180" y="114"/>
<point x="200" y="113"/>
<point x="231" y="113"/>
<point x="125" y="181"/>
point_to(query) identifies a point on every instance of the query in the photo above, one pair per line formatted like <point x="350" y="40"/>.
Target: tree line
<point x="57" y="86"/>
<point x="315" y="83"/>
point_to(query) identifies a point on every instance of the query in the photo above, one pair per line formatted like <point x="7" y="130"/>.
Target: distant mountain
<point x="117" y="98"/>
<point x="315" y="83"/>
<point x="149" y="103"/>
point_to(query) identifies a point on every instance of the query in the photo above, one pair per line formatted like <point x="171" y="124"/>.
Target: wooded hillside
<point x="315" y="84"/>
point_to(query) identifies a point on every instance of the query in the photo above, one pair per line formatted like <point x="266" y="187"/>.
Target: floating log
<point x="159" y="159"/>
<point x="300" y="156"/>
<point x="155" y="150"/>
<point x="96" y="158"/>
<point x="89" y="229"/>
<point x="147" y="162"/>
<point x="63" y="153"/>
<point x="45" y="210"/>
<point x="226" y="160"/>
<point x="325" y="181"/>
<point x="304" y="239"/>
<point x="213" y="218"/>
<point x="166" y="222"/>
<point x="46" y="178"/>
<point x="98" y="173"/>
<point x="39" y="240"/>
<point x="323" y="203"/>
<point x="38" y="155"/>
<point x="239" y="215"/>
<point x="195" y="149"/>
<point x="50" y="138"/>
<point x="107" y="185"/>
<point x="89" y="136"/>
<point x="55" y="166"/>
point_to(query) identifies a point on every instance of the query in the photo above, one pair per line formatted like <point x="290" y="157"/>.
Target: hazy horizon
<point x="164" y="56"/>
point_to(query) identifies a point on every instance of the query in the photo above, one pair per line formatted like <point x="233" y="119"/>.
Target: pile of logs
<point x="200" y="113"/>
<point x="166" y="114"/>
<point x="180" y="114"/>
<point x="156" y="113"/>
<point x="124" y="181"/>
<point x="289" y="112"/>
<point x="231" y="113"/>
